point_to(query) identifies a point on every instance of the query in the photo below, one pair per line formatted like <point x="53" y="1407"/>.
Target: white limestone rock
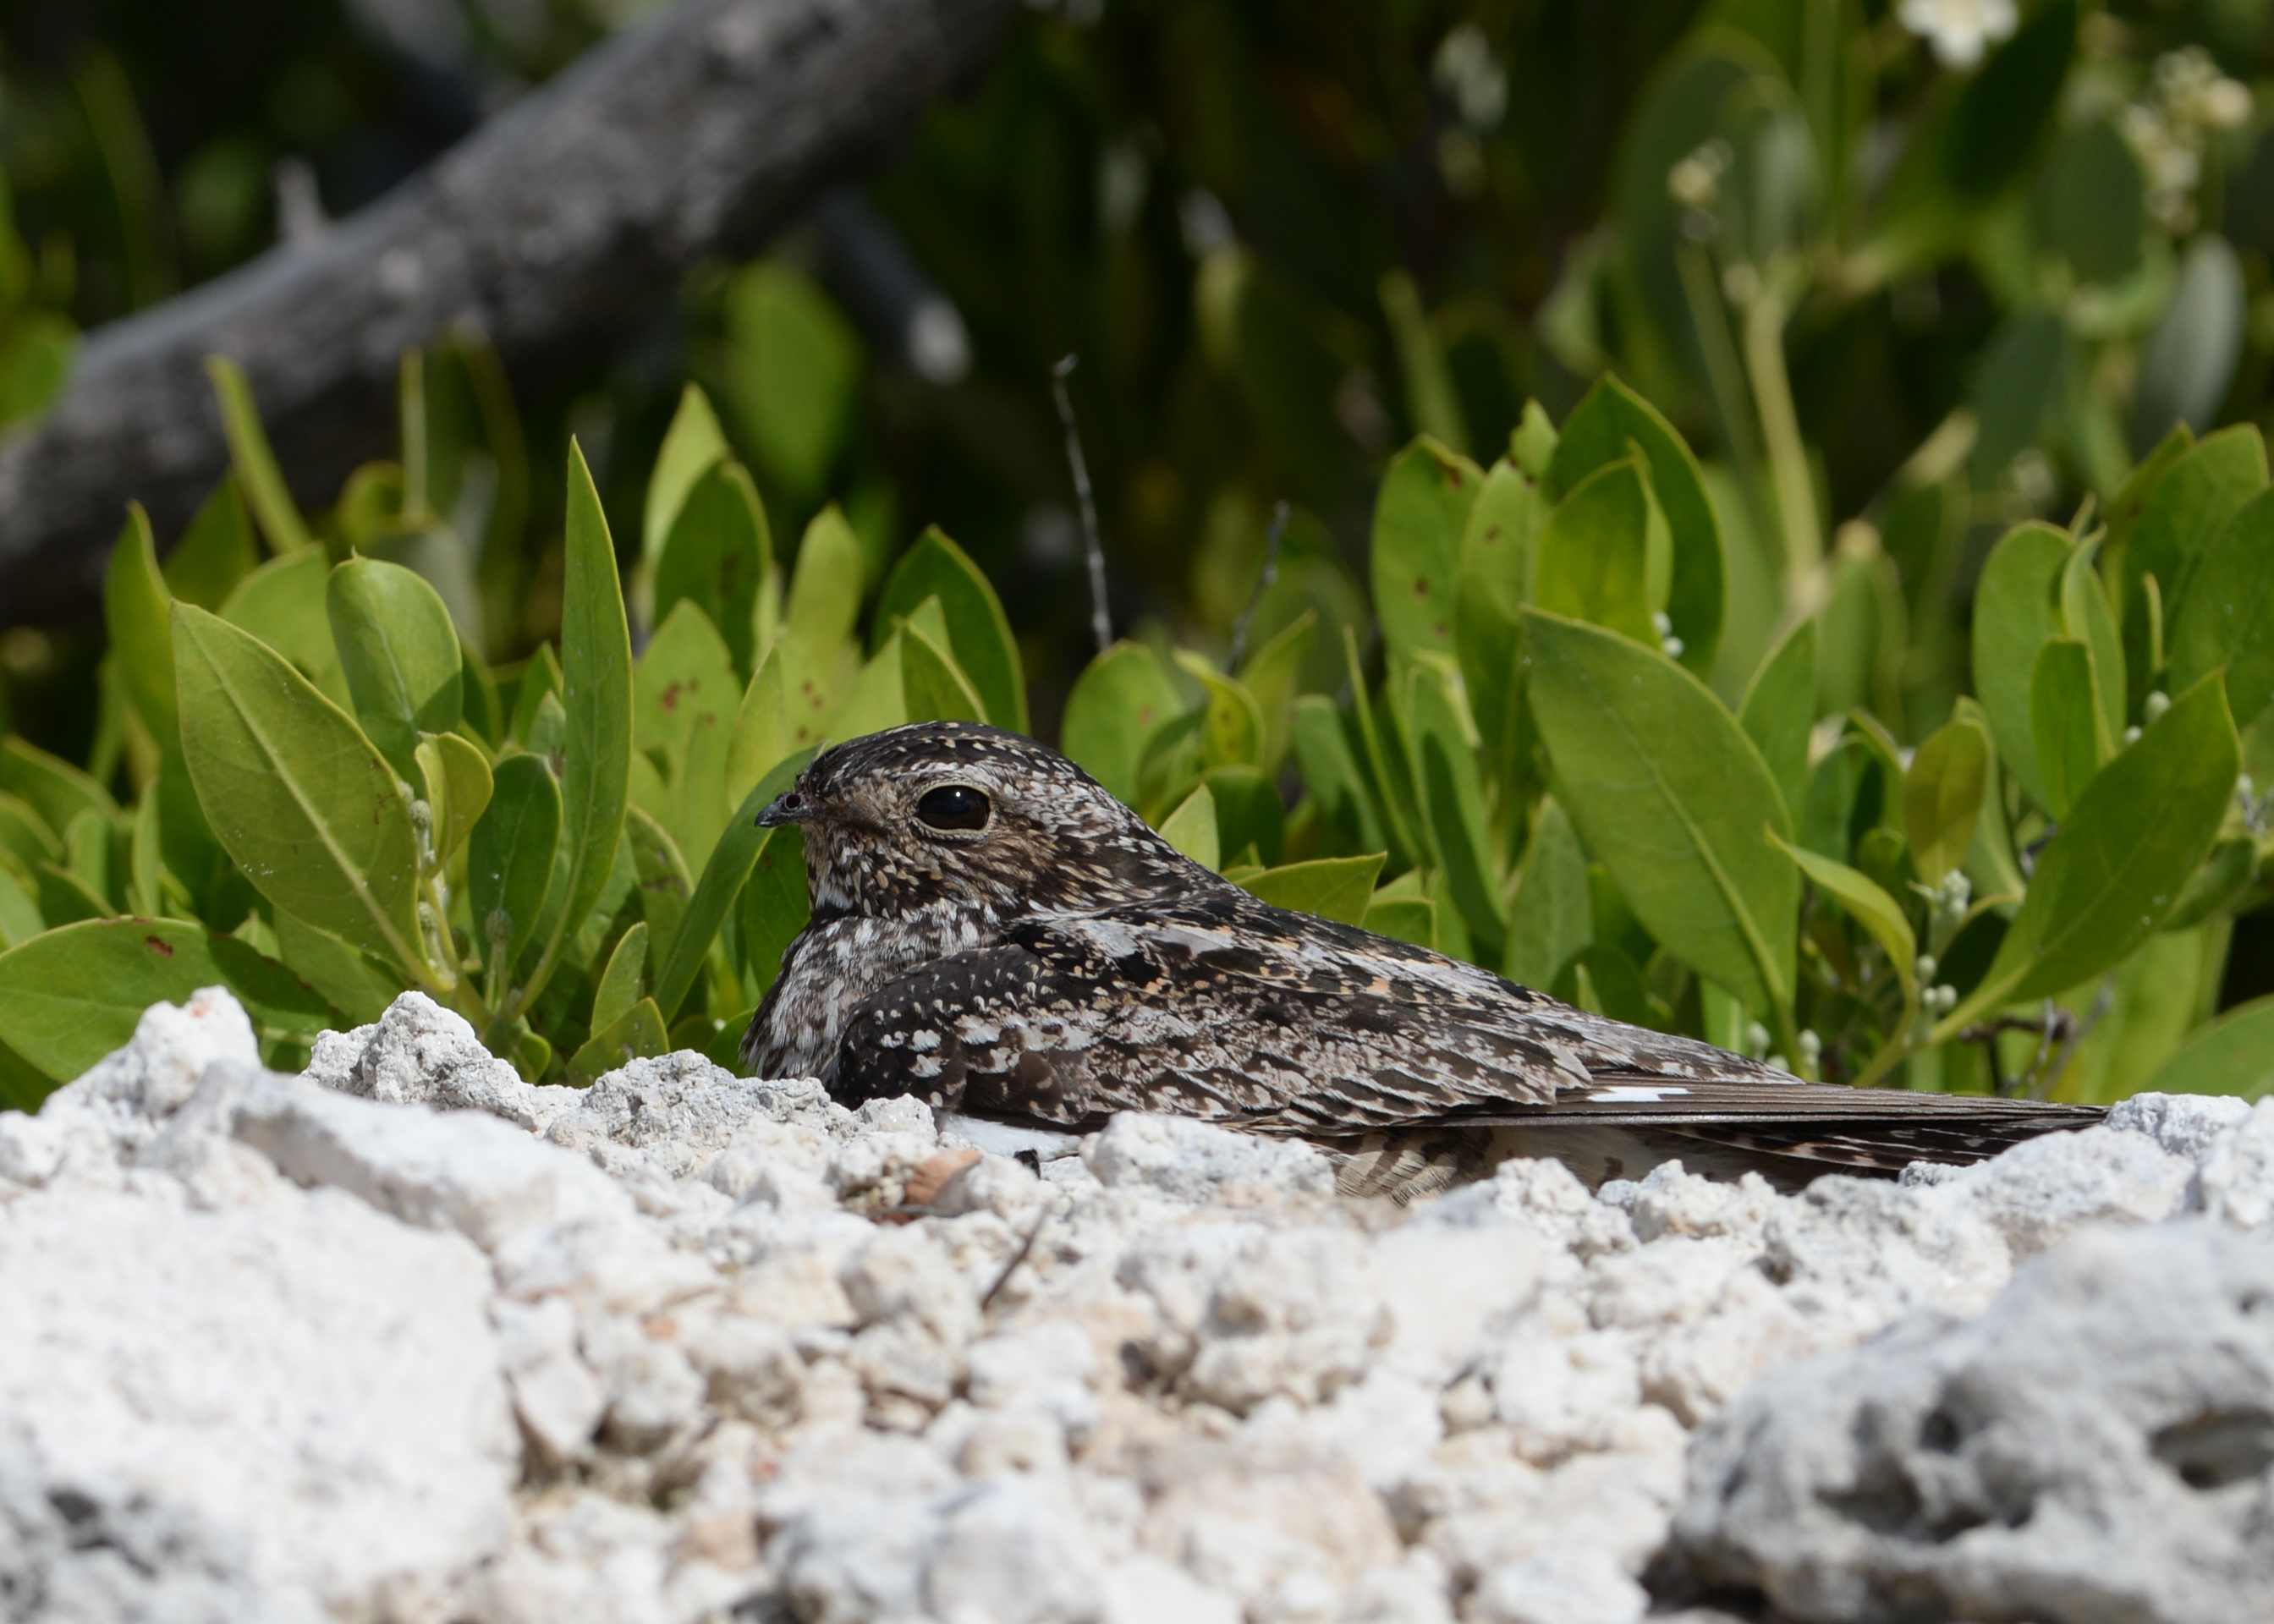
<point x="2099" y="1445"/>
<point x="683" y="1347"/>
<point x="291" y="1411"/>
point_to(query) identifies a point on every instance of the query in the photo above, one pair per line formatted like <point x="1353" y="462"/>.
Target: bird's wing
<point x="1257" y="1016"/>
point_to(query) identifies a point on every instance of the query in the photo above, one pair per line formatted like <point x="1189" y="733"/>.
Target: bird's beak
<point x="792" y="806"/>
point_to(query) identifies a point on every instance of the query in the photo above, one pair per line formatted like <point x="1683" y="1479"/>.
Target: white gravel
<point x="687" y="1347"/>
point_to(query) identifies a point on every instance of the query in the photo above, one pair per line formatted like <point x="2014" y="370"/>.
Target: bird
<point x="993" y="933"/>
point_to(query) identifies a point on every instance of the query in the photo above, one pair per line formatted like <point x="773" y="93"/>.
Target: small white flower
<point x="1959" y="31"/>
<point x="2155" y="705"/>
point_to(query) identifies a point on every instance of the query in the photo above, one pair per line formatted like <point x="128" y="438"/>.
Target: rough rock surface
<point x="687" y="1347"/>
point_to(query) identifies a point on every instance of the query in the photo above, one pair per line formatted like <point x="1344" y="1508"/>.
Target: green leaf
<point x="1386" y="769"/>
<point x="2233" y="1055"/>
<point x="1942" y="797"/>
<point x="252" y="461"/>
<point x="1493" y="580"/>
<point x="1989" y="862"/>
<point x="50" y="786"/>
<point x="1420" y="517"/>
<point x="620" y="982"/>
<point x="136" y="611"/>
<point x="762" y="727"/>
<point x="877" y="697"/>
<point x="978" y="632"/>
<point x="1248" y="813"/>
<point x="1869" y="906"/>
<point x="825" y="587"/>
<point x="458" y="788"/>
<point x="399" y="654"/>
<point x="717" y="556"/>
<point x="686" y="702"/>
<point x="1272" y="676"/>
<point x="72" y="995"/>
<point x="1120" y="701"/>
<point x="1604" y="981"/>
<point x="1672" y="796"/>
<point x="1192" y="829"/>
<point x="2087" y="617"/>
<point x="775" y="906"/>
<point x="2122" y="857"/>
<point x="146" y="866"/>
<point x="1232" y="723"/>
<point x="1601" y="430"/>
<point x="217" y="551"/>
<point x="539" y="677"/>
<point x="740" y="847"/>
<point x="1592" y="560"/>
<point x="2015" y="614"/>
<point x="2130" y="503"/>
<point x="693" y="447"/>
<point x="1779" y="711"/>
<point x="2224" y="877"/>
<point x="1554" y="917"/>
<point x="25" y="835"/>
<point x="2206" y="485"/>
<point x="1331" y="774"/>
<point x="296" y="795"/>
<point x="932" y="686"/>
<point x="65" y="898"/>
<point x="2226" y="618"/>
<point x="1445" y="767"/>
<point x="596" y="669"/>
<point x="1335" y="888"/>
<point x="1404" y="918"/>
<point x="2070" y="739"/>
<point x="283" y="604"/>
<point x="358" y="985"/>
<point x="509" y="858"/>
<point x="639" y="1033"/>
<point x="20" y="918"/>
<point x="665" y="883"/>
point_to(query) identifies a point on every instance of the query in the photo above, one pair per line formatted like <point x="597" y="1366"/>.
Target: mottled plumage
<point x="995" y="934"/>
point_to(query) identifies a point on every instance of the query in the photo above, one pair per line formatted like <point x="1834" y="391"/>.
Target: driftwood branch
<point x="555" y="229"/>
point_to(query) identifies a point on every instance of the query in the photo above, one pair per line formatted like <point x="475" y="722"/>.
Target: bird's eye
<point x="954" y="805"/>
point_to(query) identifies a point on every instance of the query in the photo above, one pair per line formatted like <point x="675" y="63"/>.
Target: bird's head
<point x="968" y="815"/>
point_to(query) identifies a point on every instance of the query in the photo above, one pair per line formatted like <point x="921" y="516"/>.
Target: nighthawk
<point x="995" y="934"/>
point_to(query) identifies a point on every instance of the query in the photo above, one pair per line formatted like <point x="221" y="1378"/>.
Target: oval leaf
<point x="1592" y="561"/>
<point x="70" y="997"/>
<point x="1419" y="519"/>
<point x="294" y="792"/>
<point x="2226" y="619"/>
<point x="1673" y="797"/>
<point x="978" y="632"/>
<point x="1942" y="797"/>
<point x="399" y="653"/>
<point x="1599" y="431"/>
<point x="2123" y="855"/>
<point x="2014" y="613"/>
<point x="1336" y="888"/>
<point x="510" y="853"/>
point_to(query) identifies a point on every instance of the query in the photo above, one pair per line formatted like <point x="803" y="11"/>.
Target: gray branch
<point x="555" y="228"/>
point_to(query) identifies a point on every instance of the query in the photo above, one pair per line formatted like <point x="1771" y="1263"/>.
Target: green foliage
<point x="1766" y="678"/>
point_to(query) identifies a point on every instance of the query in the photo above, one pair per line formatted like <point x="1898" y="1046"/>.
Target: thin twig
<point x="2078" y="1031"/>
<point x="1263" y="584"/>
<point x="1101" y="623"/>
<point x="1017" y="1258"/>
